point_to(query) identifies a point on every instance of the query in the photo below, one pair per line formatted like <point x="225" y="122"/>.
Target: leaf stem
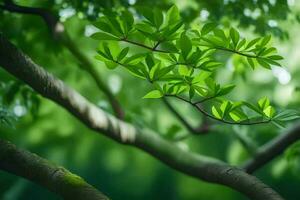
<point x="196" y="105"/>
<point x="144" y="46"/>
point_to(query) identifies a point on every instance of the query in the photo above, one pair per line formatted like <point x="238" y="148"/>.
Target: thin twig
<point x="197" y="106"/>
<point x="142" y="45"/>
<point x="195" y="131"/>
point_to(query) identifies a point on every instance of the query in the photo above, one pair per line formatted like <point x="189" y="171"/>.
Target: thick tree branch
<point x="50" y="19"/>
<point x="204" y="168"/>
<point x="90" y="68"/>
<point x="60" y="34"/>
<point x="38" y="170"/>
<point x="272" y="149"/>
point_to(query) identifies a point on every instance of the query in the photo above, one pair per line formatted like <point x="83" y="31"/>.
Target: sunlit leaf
<point x="207" y="28"/>
<point x="235" y="36"/>
<point x="269" y="111"/>
<point x="172" y="15"/>
<point x="154" y="94"/>
<point x="185" y="45"/>
<point x="216" y="112"/>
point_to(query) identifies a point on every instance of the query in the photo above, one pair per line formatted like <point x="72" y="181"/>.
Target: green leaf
<point x="150" y="61"/>
<point x="263" y="103"/>
<point x="208" y="28"/>
<point x="287" y="115"/>
<point x="272" y="62"/>
<point x="154" y="94"/>
<point x="234" y="116"/>
<point x="172" y="31"/>
<point x="251" y="62"/>
<point x="226" y="89"/>
<point x="241" y="44"/>
<point x="154" y="70"/>
<point x="269" y="111"/>
<point x="238" y="115"/>
<point x="184" y="70"/>
<point x="196" y="56"/>
<point x="102" y="25"/>
<point x="185" y="45"/>
<point x="144" y="27"/>
<point x="201" y="77"/>
<point x="220" y="33"/>
<point x="216" y="41"/>
<point x="136" y="71"/>
<point x="103" y="36"/>
<point x="107" y="51"/>
<point x="152" y="36"/>
<point x="252" y="43"/>
<point x="263" y="63"/>
<point x="173" y="15"/>
<point x="123" y="53"/>
<point x="225" y="108"/>
<point x="191" y="92"/>
<point x="216" y="112"/>
<point x="178" y="89"/>
<point x="158" y="17"/>
<point x="253" y="107"/>
<point x="111" y="17"/>
<point x="135" y="59"/>
<point x="110" y="64"/>
<point x="168" y="46"/>
<point x="128" y="20"/>
<point x="201" y="90"/>
<point x="162" y="72"/>
<point x="102" y="55"/>
<point x="211" y="84"/>
<point x="235" y="36"/>
<point x="265" y="40"/>
<point x="209" y="65"/>
<point x="148" y="14"/>
<point x="275" y="57"/>
<point x="268" y="51"/>
<point x="278" y="123"/>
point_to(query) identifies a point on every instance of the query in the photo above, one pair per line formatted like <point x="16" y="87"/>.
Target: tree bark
<point x="204" y="168"/>
<point x="60" y="34"/>
<point x="272" y="149"/>
<point x="38" y="170"/>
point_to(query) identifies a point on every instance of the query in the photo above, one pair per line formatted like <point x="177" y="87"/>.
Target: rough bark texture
<point x="208" y="169"/>
<point x="60" y="34"/>
<point x="38" y="170"/>
<point x="272" y="149"/>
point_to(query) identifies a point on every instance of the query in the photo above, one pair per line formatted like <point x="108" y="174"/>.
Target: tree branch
<point x="90" y="68"/>
<point x="201" y="167"/>
<point x="59" y="33"/>
<point x="38" y="170"/>
<point x="196" y="131"/>
<point x="202" y="129"/>
<point x="272" y="149"/>
<point x="207" y="114"/>
<point x="50" y="19"/>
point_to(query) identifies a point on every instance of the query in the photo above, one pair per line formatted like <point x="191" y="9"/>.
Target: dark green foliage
<point x="184" y="68"/>
<point x="56" y="135"/>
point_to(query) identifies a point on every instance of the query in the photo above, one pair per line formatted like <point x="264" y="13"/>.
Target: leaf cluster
<point x="180" y="62"/>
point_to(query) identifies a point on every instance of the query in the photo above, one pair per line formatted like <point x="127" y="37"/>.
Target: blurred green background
<point x="123" y="172"/>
